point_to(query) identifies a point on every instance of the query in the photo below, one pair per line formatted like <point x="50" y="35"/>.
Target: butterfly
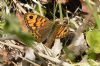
<point x="42" y="28"/>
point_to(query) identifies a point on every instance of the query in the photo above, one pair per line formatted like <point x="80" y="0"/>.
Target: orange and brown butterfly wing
<point x="63" y="31"/>
<point x="59" y="31"/>
<point x="38" y="26"/>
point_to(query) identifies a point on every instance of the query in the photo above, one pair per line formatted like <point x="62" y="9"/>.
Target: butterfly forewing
<point x="38" y="26"/>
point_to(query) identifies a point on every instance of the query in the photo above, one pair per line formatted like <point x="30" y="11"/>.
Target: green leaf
<point x="93" y="40"/>
<point x="11" y="24"/>
<point x="92" y="62"/>
<point x="2" y="25"/>
<point x="26" y="38"/>
<point x="12" y="27"/>
<point x="91" y="54"/>
<point x="69" y="54"/>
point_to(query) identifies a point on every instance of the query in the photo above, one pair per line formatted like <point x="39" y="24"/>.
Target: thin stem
<point x="40" y="9"/>
<point x="61" y="15"/>
<point x="55" y="8"/>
